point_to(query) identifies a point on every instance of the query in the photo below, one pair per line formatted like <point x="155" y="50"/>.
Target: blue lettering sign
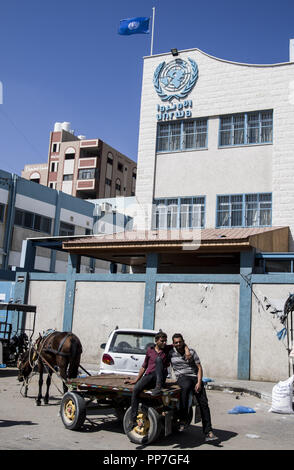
<point x="178" y="111"/>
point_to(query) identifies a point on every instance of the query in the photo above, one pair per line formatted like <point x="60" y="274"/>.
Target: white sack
<point x="282" y="397"/>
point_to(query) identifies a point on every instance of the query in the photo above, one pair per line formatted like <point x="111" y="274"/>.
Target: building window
<point x="35" y="177"/>
<point x="120" y="167"/>
<point x="118" y="184"/>
<point x="182" y="135"/>
<point x="67" y="177"/>
<point x="69" y="156"/>
<point x="192" y="212"/>
<point x="32" y="221"/>
<point x="88" y="174"/>
<point x="2" y="210"/>
<point x="66" y="229"/>
<point x="246" y="128"/>
<point x="117" y="187"/>
<point x="134" y="178"/>
<point x="244" y="210"/>
<point x="175" y="213"/>
<point x="55" y="148"/>
<point x="108" y="182"/>
<point x="54" y="167"/>
<point x="275" y="265"/>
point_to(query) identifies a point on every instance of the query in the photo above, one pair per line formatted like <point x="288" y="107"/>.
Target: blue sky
<point x="64" y="61"/>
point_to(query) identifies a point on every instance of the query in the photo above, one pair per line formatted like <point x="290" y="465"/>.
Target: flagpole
<point x="153" y="15"/>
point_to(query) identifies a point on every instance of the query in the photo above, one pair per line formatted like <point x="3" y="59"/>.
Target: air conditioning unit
<point x="97" y="211"/>
<point x="106" y="207"/>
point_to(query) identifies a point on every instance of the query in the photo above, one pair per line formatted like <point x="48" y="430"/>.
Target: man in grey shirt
<point x="189" y="375"/>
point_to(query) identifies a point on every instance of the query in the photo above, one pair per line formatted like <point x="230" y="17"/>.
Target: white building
<point x="216" y="143"/>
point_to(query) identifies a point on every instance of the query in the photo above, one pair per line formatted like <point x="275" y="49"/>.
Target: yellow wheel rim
<point x="143" y="424"/>
<point x="69" y="410"/>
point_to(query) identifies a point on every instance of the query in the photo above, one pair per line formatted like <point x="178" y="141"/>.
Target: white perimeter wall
<point x="48" y="296"/>
<point x="269" y="357"/>
<point x="206" y="314"/>
<point x="100" y="307"/>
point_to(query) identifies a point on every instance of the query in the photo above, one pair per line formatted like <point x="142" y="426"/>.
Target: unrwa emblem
<point x="175" y="79"/>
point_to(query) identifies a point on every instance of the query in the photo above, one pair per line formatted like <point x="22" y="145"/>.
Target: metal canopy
<point x="132" y="247"/>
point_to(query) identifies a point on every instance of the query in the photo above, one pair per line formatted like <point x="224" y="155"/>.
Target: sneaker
<point x="182" y="427"/>
<point x="210" y="437"/>
<point x="156" y="391"/>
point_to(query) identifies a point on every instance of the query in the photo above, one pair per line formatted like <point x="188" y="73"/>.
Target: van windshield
<point x="131" y="343"/>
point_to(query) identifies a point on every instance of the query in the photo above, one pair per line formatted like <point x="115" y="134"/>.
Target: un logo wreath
<point x="184" y="92"/>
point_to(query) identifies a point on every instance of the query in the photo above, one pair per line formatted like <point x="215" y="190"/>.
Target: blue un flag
<point x="138" y="25"/>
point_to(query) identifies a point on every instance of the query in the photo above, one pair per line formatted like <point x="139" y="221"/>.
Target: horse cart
<point x="12" y="320"/>
<point x="156" y="414"/>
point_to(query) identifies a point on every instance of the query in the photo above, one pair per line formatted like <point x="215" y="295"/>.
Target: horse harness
<point x="48" y="349"/>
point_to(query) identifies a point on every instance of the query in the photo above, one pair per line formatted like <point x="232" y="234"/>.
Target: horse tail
<point x="75" y="356"/>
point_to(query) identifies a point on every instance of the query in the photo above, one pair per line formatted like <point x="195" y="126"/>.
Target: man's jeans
<point x="148" y="381"/>
<point x="187" y="384"/>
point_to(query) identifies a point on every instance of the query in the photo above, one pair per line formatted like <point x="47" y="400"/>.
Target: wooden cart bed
<point x="98" y="384"/>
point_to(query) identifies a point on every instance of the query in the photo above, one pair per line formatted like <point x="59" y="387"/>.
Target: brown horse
<point x="57" y="351"/>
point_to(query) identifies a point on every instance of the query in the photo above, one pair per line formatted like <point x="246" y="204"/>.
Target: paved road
<point x="25" y="426"/>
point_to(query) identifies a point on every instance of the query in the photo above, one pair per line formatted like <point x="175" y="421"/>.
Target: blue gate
<point x="6" y="295"/>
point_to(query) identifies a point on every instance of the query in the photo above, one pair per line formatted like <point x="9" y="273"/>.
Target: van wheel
<point x="148" y="427"/>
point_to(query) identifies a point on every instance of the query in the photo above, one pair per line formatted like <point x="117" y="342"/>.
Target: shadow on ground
<point x="5" y="423"/>
<point x="10" y="372"/>
<point x="191" y="438"/>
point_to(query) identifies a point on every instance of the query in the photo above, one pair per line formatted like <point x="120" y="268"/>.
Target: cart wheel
<point x="73" y="411"/>
<point x="148" y="427"/>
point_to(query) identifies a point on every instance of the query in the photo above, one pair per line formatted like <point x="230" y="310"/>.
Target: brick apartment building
<point x="85" y="168"/>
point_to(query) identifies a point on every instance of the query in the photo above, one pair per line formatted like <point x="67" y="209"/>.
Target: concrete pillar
<point x="150" y="291"/>
<point x="73" y="267"/>
<point x="245" y="306"/>
<point x="28" y="255"/>
<point x="58" y="206"/>
<point x="21" y="289"/>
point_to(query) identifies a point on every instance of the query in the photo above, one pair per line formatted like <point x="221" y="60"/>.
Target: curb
<point x="262" y="396"/>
